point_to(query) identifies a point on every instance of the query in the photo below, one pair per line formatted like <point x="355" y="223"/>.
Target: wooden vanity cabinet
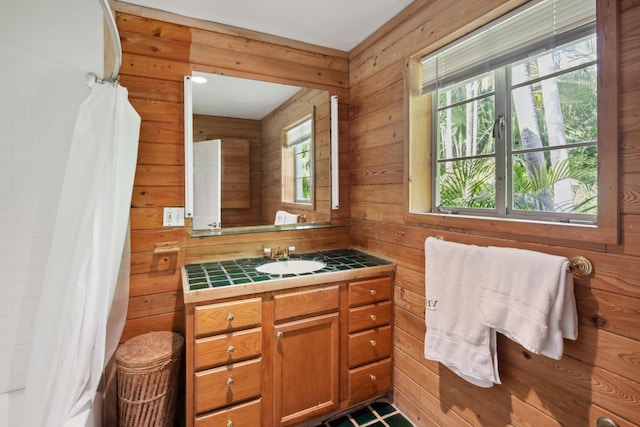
<point x="284" y="357"/>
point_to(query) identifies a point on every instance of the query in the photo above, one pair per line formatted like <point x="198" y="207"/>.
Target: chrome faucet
<point x="278" y="252"/>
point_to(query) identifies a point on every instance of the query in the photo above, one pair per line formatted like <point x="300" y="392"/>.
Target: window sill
<point x="528" y="230"/>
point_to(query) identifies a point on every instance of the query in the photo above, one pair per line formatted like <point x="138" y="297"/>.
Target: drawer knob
<point x="373" y="317"/>
<point x="229" y="382"/>
<point x="372" y="377"/>
<point x="280" y="334"/>
<point x="230" y="349"/>
<point x="373" y="291"/>
<point x="230" y="317"/>
<point x="229" y="423"/>
<point x="373" y="343"/>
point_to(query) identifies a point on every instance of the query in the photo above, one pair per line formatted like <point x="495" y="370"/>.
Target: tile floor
<point x="376" y="414"/>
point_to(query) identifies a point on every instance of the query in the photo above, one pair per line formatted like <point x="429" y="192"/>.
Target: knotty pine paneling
<point x="159" y="49"/>
<point x="598" y="374"/>
<point x="535" y="389"/>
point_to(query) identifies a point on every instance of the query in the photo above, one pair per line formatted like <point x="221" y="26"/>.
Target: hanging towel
<point x="528" y="296"/>
<point x="284" y="217"/>
<point x="455" y="335"/>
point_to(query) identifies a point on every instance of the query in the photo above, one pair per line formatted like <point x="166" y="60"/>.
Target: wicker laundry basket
<point x="147" y="367"/>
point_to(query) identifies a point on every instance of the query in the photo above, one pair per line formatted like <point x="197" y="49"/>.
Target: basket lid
<point x="149" y="349"/>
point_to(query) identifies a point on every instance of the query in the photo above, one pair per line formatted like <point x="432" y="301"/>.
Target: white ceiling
<point x="338" y="24"/>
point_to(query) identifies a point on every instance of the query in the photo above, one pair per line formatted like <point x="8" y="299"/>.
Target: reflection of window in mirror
<point x="297" y="162"/>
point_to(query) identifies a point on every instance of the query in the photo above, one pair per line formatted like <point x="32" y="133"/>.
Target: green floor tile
<point x="363" y="416"/>
<point x="341" y="422"/>
<point x="397" y="420"/>
<point x="383" y="408"/>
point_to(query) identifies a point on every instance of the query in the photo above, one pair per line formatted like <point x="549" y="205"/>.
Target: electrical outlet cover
<point x="173" y="217"/>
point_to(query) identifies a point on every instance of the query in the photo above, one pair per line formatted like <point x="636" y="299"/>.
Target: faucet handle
<point x="267" y="251"/>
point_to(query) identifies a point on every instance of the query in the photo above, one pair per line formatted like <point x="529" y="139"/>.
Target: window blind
<point x="299" y="133"/>
<point x="532" y="28"/>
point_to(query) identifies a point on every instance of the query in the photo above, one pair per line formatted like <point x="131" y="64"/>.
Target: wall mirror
<point x="247" y="119"/>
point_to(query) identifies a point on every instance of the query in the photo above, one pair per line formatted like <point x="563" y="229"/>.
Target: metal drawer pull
<point x="373" y="317"/>
<point x="229" y="423"/>
<point x="280" y="334"/>
<point x="230" y="317"/>
<point x="373" y="342"/>
<point x="229" y="382"/>
<point x="372" y="377"/>
<point x="230" y="349"/>
<point x="373" y="291"/>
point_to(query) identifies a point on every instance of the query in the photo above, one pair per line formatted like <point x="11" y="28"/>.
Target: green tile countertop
<point x="220" y="279"/>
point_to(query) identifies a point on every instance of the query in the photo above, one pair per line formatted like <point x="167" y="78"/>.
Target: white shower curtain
<point x="84" y="297"/>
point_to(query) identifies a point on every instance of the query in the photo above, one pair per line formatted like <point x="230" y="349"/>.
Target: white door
<point x="206" y="184"/>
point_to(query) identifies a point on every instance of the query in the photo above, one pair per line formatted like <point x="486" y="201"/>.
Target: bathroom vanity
<point x="282" y="349"/>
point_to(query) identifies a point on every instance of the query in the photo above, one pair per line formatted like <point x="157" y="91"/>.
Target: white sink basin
<point x="291" y="266"/>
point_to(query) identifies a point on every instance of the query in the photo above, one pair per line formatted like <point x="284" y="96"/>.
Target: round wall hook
<point x="606" y="422"/>
<point x="581" y="266"/>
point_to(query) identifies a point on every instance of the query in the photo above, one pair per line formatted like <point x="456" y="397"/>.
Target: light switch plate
<point x="173" y="217"/>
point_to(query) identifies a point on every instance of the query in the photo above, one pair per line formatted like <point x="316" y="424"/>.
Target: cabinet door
<point x="306" y="368"/>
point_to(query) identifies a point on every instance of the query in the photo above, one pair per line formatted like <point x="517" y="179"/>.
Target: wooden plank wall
<point x="599" y="374"/>
<point x="158" y="50"/>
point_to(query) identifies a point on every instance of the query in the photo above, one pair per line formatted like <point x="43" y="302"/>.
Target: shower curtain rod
<point x="117" y="48"/>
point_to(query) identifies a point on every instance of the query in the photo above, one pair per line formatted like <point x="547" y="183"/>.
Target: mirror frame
<point x="188" y="148"/>
<point x="335" y="169"/>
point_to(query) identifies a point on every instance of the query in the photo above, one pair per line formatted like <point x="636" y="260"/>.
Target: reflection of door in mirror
<point x="206" y="182"/>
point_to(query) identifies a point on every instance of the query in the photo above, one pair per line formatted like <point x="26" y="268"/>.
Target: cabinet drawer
<point x="369" y="291"/>
<point x="228" y="384"/>
<point x="369" y="316"/>
<point x="370" y="345"/>
<point x="245" y="415"/>
<point x="305" y="303"/>
<point x="369" y="381"/>
<point x="228" y="316"/>
<point x="227" y="348"/>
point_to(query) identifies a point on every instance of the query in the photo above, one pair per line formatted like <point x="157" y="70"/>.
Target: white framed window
<point x="297" y="162"/>
<point x="509" y="122"/>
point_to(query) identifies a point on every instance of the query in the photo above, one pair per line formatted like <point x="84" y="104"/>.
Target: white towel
<point x="528" y="296"/>
<point x="455" y="335"/>
<point x="284" y="217"/>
